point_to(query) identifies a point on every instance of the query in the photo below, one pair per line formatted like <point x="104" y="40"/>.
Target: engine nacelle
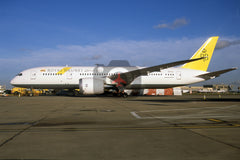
<point x="91" y="86"/>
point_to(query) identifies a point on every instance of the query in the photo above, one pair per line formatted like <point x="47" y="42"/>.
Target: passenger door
<point x="69" y="75"/>
<point x="33" y="75"/>
<point x="178" y="75"/>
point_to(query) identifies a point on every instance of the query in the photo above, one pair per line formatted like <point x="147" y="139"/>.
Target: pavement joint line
<point x="213" y="139"/>
<point x="43" y="129"/>
<point x="25" y="129"/>
<point x="19" y="133"/>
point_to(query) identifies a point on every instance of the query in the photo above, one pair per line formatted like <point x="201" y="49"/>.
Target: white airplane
<point x="98" y="79"/>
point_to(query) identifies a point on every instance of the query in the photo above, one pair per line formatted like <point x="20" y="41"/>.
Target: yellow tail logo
<point x="205" y="51"/>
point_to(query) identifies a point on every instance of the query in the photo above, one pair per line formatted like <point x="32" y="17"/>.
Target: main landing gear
<point x="124" y="94"/>
<point x="120" y="94"/>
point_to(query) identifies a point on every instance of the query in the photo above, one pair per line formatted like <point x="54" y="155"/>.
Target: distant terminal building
<point x="214" y="88"/>
<point x="219" y="87"/>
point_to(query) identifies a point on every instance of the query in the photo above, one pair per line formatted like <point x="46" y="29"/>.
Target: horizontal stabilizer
<point x="215" y="74"/>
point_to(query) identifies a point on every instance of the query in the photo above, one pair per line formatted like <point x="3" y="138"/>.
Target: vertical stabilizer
<point x="206" y="51"/>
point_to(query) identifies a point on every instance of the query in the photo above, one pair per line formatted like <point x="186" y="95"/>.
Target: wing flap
<point x="215" y="74"/>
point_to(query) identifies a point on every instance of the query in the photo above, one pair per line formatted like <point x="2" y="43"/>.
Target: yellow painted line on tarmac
<point x="236" y="125"/>
<point x="215" y="120"/>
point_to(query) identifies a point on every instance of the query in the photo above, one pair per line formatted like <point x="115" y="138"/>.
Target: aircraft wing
<point x="215" y="74"/>
<point x="127" y="77"/>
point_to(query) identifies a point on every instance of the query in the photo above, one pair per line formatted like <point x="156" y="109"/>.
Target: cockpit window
<point x="19" y="74"/>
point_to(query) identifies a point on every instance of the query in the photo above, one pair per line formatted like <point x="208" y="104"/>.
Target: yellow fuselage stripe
<point x="65" y="69"/>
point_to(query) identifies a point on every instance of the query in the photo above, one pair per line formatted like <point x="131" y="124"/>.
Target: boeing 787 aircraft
<point x="98" y="79"/>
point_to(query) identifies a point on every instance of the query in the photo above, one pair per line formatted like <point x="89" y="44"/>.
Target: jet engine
<point x="91" y="86"/>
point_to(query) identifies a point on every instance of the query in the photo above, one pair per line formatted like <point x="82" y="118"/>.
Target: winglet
<point x="205" y="51"/>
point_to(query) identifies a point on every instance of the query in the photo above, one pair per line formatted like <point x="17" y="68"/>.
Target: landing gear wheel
<point x="125" y="95"/>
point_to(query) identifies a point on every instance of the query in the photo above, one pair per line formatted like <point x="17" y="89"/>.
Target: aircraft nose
<point x="13" y="81"/>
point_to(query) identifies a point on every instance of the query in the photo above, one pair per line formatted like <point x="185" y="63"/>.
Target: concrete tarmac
<point x="135" y="128"/>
